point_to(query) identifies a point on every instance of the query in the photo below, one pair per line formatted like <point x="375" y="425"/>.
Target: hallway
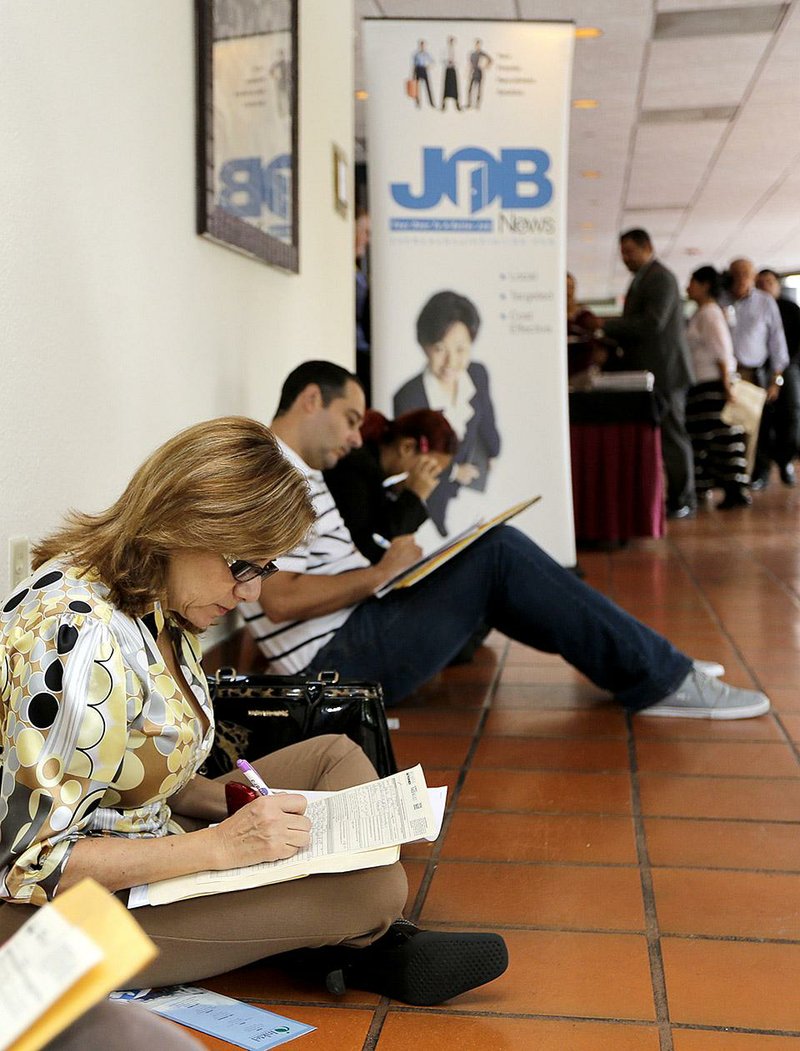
<point x="645" y="873"/>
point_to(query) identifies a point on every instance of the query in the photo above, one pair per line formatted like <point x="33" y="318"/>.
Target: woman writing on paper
<point x="410" y="453"/>
<point x="106" y="718"/>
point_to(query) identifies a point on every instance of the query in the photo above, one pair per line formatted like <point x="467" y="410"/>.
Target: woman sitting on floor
<point x="106" y="718"/>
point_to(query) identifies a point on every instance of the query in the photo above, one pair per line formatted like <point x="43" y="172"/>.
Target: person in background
<point x="416" y="448"/>
<point x="453" y="384"/>
<point x="583" y="350"/>
<point x="759" y="346"/>
<point x="106" y="718"/>
<point x="786" y="432"/>
<point x="719" y="449"/>
<point x="363" y="327"/>
<point x="652" y="335"/>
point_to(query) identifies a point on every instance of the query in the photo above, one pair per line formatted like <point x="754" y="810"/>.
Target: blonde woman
<point x="106" y="719"/>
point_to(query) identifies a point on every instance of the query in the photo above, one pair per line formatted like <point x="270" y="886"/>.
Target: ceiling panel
<point x="679" y="72"/>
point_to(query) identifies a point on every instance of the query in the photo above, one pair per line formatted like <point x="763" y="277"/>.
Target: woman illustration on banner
<point x="458" y="387"/>
<point x="450" y="75"/>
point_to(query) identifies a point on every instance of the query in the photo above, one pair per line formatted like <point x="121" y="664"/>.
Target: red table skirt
<point x="617" y="481"/>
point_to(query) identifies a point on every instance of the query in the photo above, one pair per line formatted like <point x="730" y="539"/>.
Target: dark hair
<point x="707" y="275"/>
<point x="421" y="423"/>
<point x="772" y="273"/>
<point x="331" y="380"/>
<point x="638" y="236"/>
<point x="443" y="310"/>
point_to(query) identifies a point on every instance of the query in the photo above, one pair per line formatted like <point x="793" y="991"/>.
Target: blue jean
<point x="507" y="581"/>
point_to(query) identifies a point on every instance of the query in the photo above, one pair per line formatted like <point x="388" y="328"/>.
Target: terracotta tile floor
<point x="645" y="873"/>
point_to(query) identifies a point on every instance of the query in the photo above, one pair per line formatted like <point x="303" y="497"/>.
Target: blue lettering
<point x="518" y="178"/>
<point x="247" y="187"/>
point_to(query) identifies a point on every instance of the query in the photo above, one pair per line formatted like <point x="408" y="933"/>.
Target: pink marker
<point x="252" y="777"/>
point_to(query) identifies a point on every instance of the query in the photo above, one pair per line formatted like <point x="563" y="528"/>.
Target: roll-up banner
<point x="467" y="131"/>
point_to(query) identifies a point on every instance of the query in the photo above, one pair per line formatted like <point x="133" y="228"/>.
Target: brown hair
<point x="420" y="423"/>
<point x="222" y="486"/>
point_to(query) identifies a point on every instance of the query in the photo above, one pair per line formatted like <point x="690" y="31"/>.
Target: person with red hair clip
<point x="409" y="453"/>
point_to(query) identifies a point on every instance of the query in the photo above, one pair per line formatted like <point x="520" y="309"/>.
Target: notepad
<point x="356" y="828"/>
<point x="64" y="960"/>
<point x="452" y="546"/>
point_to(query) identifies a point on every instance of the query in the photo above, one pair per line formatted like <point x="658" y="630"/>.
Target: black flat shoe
<point x="788" y="475"/>
<point x="418" y="967"/>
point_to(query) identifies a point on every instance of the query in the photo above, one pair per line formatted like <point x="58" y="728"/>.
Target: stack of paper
<point x="357" y="828"/>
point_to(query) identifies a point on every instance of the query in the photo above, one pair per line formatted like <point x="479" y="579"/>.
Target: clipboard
<point x="430" y="563"/>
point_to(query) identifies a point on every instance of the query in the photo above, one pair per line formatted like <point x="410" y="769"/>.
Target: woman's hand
<point x="465" y="473"/>
<point x="268" y="829"/>
<point x="423" y="476"/>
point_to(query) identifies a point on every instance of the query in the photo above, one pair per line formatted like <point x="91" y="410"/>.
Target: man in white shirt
<point x="320" y="611"/>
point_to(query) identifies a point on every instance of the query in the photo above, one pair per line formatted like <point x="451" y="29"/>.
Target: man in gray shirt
<point x="652" y="335"/>
<point x="759" y="346"/>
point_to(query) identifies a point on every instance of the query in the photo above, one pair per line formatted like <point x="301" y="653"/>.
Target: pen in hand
<point x="252" y="777"/>
<point x="381" y="541"/>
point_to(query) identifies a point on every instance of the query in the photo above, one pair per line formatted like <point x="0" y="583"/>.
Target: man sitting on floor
<point x="320" y="611"/>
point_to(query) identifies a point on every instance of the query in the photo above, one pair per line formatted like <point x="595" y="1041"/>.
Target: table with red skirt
<point x="617" y="475"/>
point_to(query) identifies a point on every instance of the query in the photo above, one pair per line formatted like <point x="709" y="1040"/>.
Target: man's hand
<point x="403" y="552"/>
<point x="466" y="473"/>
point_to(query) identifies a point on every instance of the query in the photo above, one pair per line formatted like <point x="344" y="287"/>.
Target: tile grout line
<point x="652" y="932"/>
<point x="382" y="1010"/>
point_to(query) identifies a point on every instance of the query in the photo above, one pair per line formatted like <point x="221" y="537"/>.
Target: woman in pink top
<point x="719" y="449"/>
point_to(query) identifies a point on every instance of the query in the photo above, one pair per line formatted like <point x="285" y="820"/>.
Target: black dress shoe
<point x="418" y="967"/>
<point x="681" y="512"/>
<point x="735" y="498"/>
<point x="788" y="475"/>
<point x="761" y="481"/>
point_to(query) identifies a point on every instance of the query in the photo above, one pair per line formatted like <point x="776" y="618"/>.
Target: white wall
<point x="118" y="324"/>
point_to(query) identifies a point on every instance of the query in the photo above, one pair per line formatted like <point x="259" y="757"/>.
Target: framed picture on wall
<point x="247" y="127"/>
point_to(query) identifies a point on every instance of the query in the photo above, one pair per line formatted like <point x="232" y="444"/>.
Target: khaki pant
<point x="205" y="936"/>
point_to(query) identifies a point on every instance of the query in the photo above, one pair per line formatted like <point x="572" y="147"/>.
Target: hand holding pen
<point x="270" y="827"/>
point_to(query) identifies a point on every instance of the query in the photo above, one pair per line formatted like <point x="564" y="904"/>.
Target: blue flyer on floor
<point x="249" y="1027"/>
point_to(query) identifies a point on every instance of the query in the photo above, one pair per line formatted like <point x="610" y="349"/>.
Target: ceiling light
<point x="585" y="103"/>
<point x="590" y="173"/>
<point x="587" y="32"/>
<point x="587" y="226"/>
<point x="361" y="95"/>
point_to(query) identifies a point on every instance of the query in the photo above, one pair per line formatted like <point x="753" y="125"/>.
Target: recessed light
<point x="587" y="32"/>
<point x="585" y="103"/>
<point x="587" y="226"/>
<point x="362" y="95"/>
<point x="590" y="173"/>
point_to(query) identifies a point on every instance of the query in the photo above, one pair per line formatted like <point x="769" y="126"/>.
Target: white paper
<point x="38" y="965"/>
<point x="357" y="827"/>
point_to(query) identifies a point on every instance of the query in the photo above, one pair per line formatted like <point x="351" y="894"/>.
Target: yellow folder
<point x="125" y="947"/>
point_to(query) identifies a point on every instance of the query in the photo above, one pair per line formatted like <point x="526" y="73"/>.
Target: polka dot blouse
<point x="96" y="733"/>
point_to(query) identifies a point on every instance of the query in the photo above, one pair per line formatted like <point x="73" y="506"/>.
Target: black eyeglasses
<point x="243" y="571"/>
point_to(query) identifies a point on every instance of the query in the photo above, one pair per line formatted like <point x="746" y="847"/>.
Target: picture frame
<point x="247" y="127"/>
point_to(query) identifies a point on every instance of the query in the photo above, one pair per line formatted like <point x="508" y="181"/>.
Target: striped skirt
<point x="719" y="450"/>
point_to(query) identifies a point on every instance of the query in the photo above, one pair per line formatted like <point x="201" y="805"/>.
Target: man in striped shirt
<point x="320" y="611"/>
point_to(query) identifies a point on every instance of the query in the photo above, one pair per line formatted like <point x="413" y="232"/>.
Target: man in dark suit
<point x="651" y="334"/>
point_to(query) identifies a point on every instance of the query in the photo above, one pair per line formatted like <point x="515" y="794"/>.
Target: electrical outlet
<point x="19" y="559"/>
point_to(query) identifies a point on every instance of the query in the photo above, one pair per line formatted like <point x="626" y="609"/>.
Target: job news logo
<point x="517" y="177"/>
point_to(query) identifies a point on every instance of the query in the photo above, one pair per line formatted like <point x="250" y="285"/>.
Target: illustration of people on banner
<point x="422" y="60"/>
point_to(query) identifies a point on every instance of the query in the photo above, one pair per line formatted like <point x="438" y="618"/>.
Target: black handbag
<point x="258" y="714"/>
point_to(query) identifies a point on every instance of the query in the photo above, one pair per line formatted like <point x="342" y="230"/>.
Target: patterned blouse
<point x="96" y="733"/>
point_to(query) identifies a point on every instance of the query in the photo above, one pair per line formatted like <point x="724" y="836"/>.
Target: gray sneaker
<point x="712" y="668"/>
<point x="701" y="697"/>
